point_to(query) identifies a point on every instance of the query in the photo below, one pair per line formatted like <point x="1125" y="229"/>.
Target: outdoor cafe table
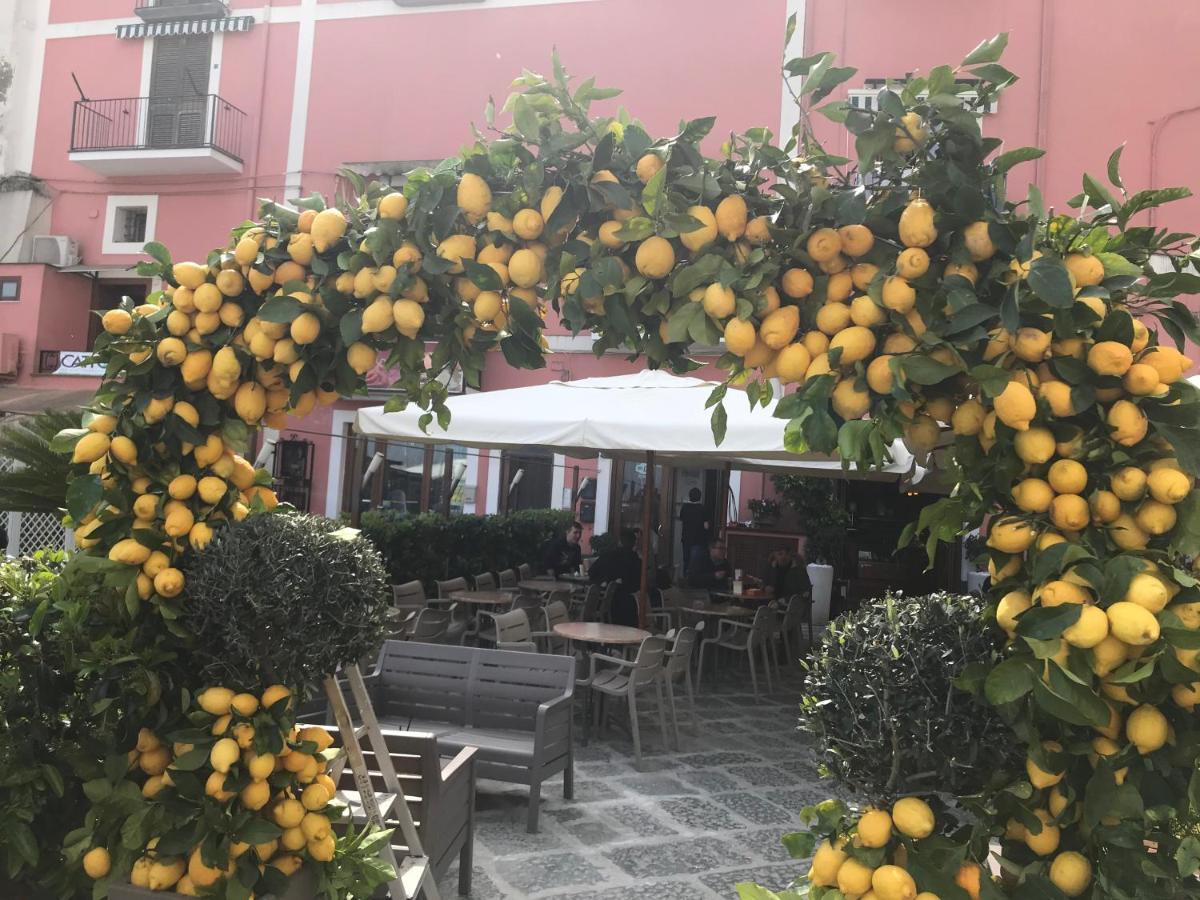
<point x="765" y="596"/>
<point x="600" y="633"/>
<point x="723" y="610"/>
<point x="482" y="598"/>
<point x="546" y="585"/>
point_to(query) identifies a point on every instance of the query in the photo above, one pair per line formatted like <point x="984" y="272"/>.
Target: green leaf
<point x="996" y="74"/>
<point x="1114" y="167"/>
<point x="653" y="190"/>
<point x="482" y="276"/>
<point x="1048" y="278"/>
<point x="1095" y="190"/>
<point x="988" y="51"/>
<point x="923" y="370"/>
<point x="65" y="440"/>
<point x="799" y="844"/>
<point x="720" y="420"/>
<point x="280" y="309"/>
<point x="1116" y="264"/>
<point x="1046" y="622"/>
<point x="158" y="252"/>
<point x="1009" y="681"/>
<point x="1186" y="536"/>
<point x="525" y="117"/>
<point x="84" y="492"/>
<point x="1187" y="856"/>
<point x="258" y="831"/>
<point x="1006" y="161"/>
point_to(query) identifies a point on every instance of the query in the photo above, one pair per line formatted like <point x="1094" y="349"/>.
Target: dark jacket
<point x="704" y="573"/>
<point x="693" y="521"/>
<point x="791" y="579"/>
<point x="559" y="556"/>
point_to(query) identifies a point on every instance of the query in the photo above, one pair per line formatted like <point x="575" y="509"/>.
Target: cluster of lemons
<point x="289" y="788"/>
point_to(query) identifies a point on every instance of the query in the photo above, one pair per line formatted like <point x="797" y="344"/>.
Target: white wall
<point x="21" y="46"/>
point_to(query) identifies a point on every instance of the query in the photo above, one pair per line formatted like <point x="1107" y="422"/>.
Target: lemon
<point x="898" y="295"/>
<point x="780" y="327"/>
<point x="393" y="205"/>
<point x="1057" y="395"/>
<point x="701" y="237"/>
<point x="793" y="362"/>
<point x="1148" y="592"/>
<point x="1155" y="518"/>
<point x="255" y="795"/>
<point x="189" y="274"/>
<point x="1067" y="476"/>
<point x="96" y="863"/>
<point x="731" y="217"/>
<point x="797" y="283"/>
<point x="1010" y="535"/>
<point x="968" y="418"/>
<point x="474" y="197"/>
<point x="740" y="336"/>
<point x="832" y="317"/>
<point x="361" y="357"/>
<point x="655" y="257"/>
<point x="1186" y="696"/>
<point x="1129" y="483"/>
<point x="322" y="849"/>
<point x="1044" y="842"/>
<point x="856" y="343"/>
<point x="849" y="401"/>
<point x="916" y="224"/>
<point x="164" y="874"/>
<point x="1169" y="362"/>
<point x="879" y="374"/>
<point x="719" y="301"/>
<point x="1060" y="591"/>
<point x="90" y="447"/>
<point x="1070" y="512"/>
<point x="857" y="240"/>
<point x="910" y="134"/>
<point x="824" y="244"/>
<point x="758" y="231"/>
<point x="1016" y="407"/>
<point x="922" y="434"/>
<point x="893" y="883"/>
<point x="1168" y="485"/>
<point x="1038" y="776"/>
<point x="314" y="825"/>
<point x="224" y="754"/>
<point x="1031" y="344"/>
<point x="129" y="551"/>
<point x="1034" y="445"/>
<point x="202" y="874"/>
<point x="1070" y="872"/>
<point x="1089" y="629"/>
<point x="648" y="165"/>
<point x="1109" y="358"/>
<point x="456" y="248"/>
<point x="1128" y="423"/>
<point x="853" y="878"/>
<point x="1033" y="495"/>
<point x="1105" y="506"/>
<point x="1147" y="728"/>
<point x="169" y="582"/>
<point x="274" y="694"/>
<point x="289" y="813"/>
<point x="315" y="797"/>
<point x="1109" y="654"/>
<point x="214" y="787"/>
<point x="913" y="817"/>
<point x="864" y="311"/>
<point x="1141" y="380"/>
<point x="1010" y="606"/>
<point x="875" y="828"/>
<point x="1132" y="624"/>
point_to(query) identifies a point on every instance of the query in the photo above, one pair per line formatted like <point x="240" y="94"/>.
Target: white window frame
<point x="117" y="201"/>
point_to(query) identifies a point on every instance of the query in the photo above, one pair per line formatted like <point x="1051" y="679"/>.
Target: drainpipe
<point x="1155" y="135"/>
<point x="252" y="187"/>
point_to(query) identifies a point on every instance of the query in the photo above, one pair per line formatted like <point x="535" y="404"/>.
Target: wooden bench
<point x="514" y="707"/>
<point x="440" y="796"/>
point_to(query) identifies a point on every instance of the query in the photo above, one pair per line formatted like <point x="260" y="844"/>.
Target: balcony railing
<point x="166" y="10"/>
<point x="203" y="122"/>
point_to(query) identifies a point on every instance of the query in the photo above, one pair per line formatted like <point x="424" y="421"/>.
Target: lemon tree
<point x="1034" y="353"/>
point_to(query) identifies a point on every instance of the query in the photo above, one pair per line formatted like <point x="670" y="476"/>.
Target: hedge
<point x="430" y="547"/>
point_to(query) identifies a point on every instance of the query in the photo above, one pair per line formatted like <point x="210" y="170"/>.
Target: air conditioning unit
<point x="10" y="354"/>
<point x="55" y="250"/>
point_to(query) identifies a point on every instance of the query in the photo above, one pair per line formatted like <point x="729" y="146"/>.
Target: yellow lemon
<point x="1010" y="606"/>
<point x="701" y="237"/>
<point x="1132" y="624"/>
<point x="1168" y="485"/>
<point x="1089" y="629"/>
<point x="1071" y="872"/>
<point x="893" y="883"/>
<point x="796" y="283"/>
<point x="97" y="862"/>
<point x="655" y="257"/>
<point x="913" y="817"/>
<point x="1016" y="407"/>
<point x="853" y="878"/>
<point x="1034" y="445"/>
<point x="1147" y="728"/>
<point x="875" y="828"/>
<point x="856" y="343"/>
<point x="1128" y="423"/>
<point x="1033" y="495"/>
<point x="857" y="240"/>
<point x="1109" y="358"/>
<point x="978" y="241"/>
<point x="1044" y="842"/>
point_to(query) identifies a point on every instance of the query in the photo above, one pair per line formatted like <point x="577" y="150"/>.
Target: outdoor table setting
<point x="747" y="596"/>
<point x="548" y="585"/>
<point x="483" y="598"/>
<point x="720" y="610"/>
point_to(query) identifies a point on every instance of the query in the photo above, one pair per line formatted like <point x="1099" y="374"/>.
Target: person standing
<point x="710" y="570"/>
<point x="695" y="527"/>
<point x="563" y="554"/>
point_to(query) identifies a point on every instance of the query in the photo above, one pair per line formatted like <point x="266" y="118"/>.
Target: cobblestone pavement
<point x="686" y="824"/>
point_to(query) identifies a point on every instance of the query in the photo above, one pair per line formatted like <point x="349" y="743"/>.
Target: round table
<point x="482" y="598"/>
<point x="600" y="633"/>
<point x="546" y="585"/>
<point x="725" y="611"/>
<point x="731" y="597"/>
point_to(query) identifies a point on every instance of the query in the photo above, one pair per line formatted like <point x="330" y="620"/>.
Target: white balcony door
<point x="177" y="110"/>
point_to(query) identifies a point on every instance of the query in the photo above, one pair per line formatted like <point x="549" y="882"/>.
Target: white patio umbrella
<point x="649" y="415"/>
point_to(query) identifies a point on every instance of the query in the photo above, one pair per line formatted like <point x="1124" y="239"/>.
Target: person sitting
<point x="710" y="570"/>
<point x="562" y="553"/>
<point x="788" y="576"/>
<point x="621" y="565"/>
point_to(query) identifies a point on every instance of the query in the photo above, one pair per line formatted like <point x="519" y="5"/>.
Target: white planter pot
<point x="821" y="577"/>
<point x="975" y="582"/>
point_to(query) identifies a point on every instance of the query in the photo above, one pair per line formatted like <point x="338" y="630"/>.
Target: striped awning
<point x="186" y="26"/>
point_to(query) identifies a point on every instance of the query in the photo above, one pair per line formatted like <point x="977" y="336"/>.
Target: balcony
<point x="197" y="135"/>
<point x="170" y="10"/>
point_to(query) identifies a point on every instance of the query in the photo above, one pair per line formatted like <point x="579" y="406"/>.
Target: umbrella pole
<point x="647" y="506"/>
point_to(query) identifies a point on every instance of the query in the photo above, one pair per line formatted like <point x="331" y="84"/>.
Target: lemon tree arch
<point x="903" y="294"/>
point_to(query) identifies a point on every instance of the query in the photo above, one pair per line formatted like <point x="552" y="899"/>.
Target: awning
<point x="186" y="26"/>
<point x="16" y="400"/>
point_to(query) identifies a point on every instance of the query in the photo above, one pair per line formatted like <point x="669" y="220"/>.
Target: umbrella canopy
<point x="623" y="416"/>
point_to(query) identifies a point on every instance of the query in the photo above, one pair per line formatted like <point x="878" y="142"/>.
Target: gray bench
<point x="514" y="707"/>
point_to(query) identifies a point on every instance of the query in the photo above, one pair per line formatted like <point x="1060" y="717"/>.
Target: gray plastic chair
<point x="589" y="610"/>
<point x="449" y="586"/>
<point x="749" y="638"/>
<point x="625" y="678"/>
<point x="408" y="599"/>
<point x="462" y="621"/>
<point x="513" y="632"/>
<point x="524" y="572"/>
<point x="508" y="578"/>
<point x="485" y="581"/>
<point x="677" y="666"/>
<point x="795" y="617"/>
<point x="431" y="626"/>
<point x="554" y="613"/>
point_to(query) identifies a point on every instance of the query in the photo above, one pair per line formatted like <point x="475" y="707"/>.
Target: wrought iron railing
<point x="164" y="9"/>
<point x="157" y="123"/>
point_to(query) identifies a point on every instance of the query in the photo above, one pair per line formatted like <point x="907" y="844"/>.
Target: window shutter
<point x="178" y="104"/>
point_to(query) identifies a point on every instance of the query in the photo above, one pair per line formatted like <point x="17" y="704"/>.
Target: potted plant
<point x="824" y="521"/>
<point x="764" y="513"/>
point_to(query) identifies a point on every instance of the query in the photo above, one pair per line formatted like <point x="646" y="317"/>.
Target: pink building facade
<point x="166" y="120"/>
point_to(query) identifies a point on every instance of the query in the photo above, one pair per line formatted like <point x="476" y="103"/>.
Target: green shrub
<point x="283" y="598"/>
<point x="882" y="703"/>
<point x="431" y="547"/>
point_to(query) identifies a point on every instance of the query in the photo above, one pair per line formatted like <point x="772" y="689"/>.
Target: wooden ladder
<point x="414" y="874"/>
